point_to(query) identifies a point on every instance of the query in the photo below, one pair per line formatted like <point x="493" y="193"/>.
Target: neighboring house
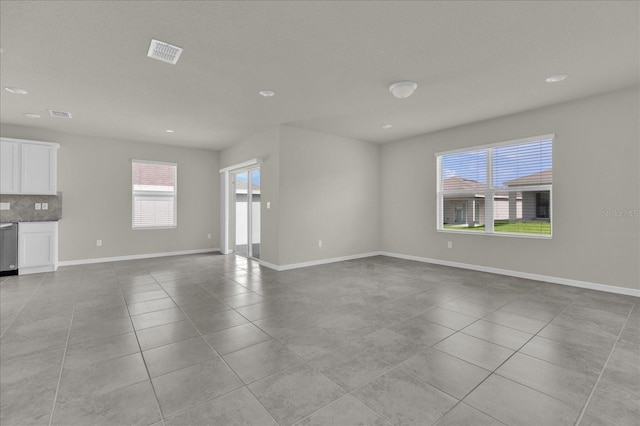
<point x="468" y="209"/>
<point x="536" y="205"/>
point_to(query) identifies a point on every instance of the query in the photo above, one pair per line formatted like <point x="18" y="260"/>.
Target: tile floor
<point x="211" y="339"/>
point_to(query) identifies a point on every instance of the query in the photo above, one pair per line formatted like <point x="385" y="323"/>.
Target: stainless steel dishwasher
<point x="8" y="249"/>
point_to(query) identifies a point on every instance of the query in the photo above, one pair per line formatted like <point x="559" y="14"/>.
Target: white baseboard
<point x="317" y="262"/>
<point x="545" y="278"/>
<point x="134" y="257"/>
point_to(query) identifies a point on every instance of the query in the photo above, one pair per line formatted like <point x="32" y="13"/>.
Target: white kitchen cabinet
<point x="28" y="167"/>
<point x="37" y="247"/>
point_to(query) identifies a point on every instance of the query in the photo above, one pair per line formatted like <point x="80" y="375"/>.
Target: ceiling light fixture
<point x="387" y="126"/>
<point x="16" y="90"/>
<point x="403" y="89"/>
<point x="31" y="115"/>
<point x="556" y="78"/>
<point x="170" y="131"/>
<point x="267" y="93"/>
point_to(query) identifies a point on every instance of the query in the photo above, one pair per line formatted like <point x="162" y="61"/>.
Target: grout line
<point x="595" y="385"/>
<point x="64" y="355"/>
<point x="36" y="288"/>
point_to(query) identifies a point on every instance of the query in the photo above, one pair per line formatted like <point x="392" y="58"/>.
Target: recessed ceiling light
<point x="387" y="126"/>
<point x="403" y="89"/>
<point x="267" y="93"/>
<point x="31" y="115"/>
<point x="170" y="131"/>
<point x="16" y="90"/>
<point x="556" y="78"/>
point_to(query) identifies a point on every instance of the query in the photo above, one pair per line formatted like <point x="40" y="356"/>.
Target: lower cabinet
<point x="37" y="247"/>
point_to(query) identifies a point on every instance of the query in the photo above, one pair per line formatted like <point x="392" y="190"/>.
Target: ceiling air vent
<point x="164" y="52"/>
<point x="59" y="114"/>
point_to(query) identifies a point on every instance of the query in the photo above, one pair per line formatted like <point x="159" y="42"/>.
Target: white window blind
<point x="154" y="189"/>
<point x="497" y="189"/>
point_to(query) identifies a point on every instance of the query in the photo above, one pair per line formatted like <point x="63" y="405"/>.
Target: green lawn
<point x="540" y="228"/>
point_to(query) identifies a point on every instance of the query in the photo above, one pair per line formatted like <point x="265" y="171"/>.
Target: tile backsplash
<point x="22" y="208"/>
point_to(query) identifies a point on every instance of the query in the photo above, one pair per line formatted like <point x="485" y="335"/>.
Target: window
<point x="497" y="189"/>
<point x="154" y="188"/>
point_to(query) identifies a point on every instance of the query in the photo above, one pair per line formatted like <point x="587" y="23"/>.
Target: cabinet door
<point x="38" y="174"/>
<point x="36" y="249"/>
<point x="9" y="167"/>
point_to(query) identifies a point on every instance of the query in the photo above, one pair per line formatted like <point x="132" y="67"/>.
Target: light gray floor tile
<point x="94" y="329"/>
<point x="405" y="400"/>
<point x="174" y="356"/>
<point x="346" y="411"/>
<point x="208" y="322"/>
<point x="190" y="386"/>
<point x="390" y="346"/>
<point x="464" y="415"/>
<point x="351" y="373"/>
<point x="23" y="367"/>
<point x="132" y="405"/>
<point x="98" y="379"/>
<point x="476" y="351"/>
<point x="612" y="405"/>
<point x="516" y="404"/>
<point x="423" y="331"/>
<point x="579" y="357"/>
<point x="93" y="351"/>
<point x="29" y="401"/>
<point x="469" y="308"/>
<point x="164" y="334"/>
<point x="153" y="319"/>
<point x="498" y="334"/>
<point x="566" y="385"/>
<point x="304" y="390"/>
<point x="145" y="296"/>
<point x="237" y="408"/>
<point x="150" y="306"/>
<point x="445" y="372"/>
<point x="519" y="322"/>
<point x="448" y="318"/>
<point x="236" y="338"/>
<point x="245" y="299"/>
<point x="261" y="360"/>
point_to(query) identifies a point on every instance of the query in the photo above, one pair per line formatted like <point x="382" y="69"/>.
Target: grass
<point x="540" y="228"/>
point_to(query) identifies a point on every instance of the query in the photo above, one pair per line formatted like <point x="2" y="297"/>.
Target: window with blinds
<point x="500" y="189"/>
<point x="154" y="189"/>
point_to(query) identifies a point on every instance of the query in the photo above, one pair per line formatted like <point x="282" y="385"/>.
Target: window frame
<point x="489" y="192"/>
<point x="162" y="194"/>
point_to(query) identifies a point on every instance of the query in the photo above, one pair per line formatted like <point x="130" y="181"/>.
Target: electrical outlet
<point x="268" y="204"/>
<point x="319" y="243"/>
<point x="38" y="206"/>
<point x="45" y="206"/>
<point x="5" y="206"/>
<point x="98" y="243"/>
<point x="449" y="244"/>
<point x="208" y="236"/>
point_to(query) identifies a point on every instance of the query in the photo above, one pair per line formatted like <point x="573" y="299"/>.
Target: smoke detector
<point x="164" y="52"/>
<point x="403" y="89"/>
<point x="59" y="114"/>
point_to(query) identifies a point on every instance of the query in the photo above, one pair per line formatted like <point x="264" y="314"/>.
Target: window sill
<point x="498" y="234"/>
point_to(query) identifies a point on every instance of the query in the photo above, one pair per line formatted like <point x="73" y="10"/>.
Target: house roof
<point x="458" y="183"/>
<point x="539" y="178"/>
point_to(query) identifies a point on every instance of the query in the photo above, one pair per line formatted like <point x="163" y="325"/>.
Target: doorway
<point x="246" y="212"/>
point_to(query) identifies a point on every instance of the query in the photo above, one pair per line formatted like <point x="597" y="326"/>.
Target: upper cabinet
<point x="28" y="167"/>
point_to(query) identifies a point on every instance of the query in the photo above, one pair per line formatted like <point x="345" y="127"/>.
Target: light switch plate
<point x="45" y="206"/>
<point x="5" y="206"/>
<point x="38" y="206"/>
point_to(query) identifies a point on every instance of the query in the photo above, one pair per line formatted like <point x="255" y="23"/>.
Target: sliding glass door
<point x="246" y="190"/>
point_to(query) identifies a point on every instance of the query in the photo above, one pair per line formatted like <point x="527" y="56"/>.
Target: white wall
<point x="94" y="176"/>
<point x="329" y="191"/>
<point x="595" y="169"/>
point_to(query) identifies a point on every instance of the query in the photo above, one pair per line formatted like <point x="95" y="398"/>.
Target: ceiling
<point x="330" y="64"/>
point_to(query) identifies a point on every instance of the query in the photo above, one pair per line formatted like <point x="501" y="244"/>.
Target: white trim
<point x="166" y="163"/>
<point x="550" y="136"/>
<point x="135" y="257"/>
<point x="318" y="262"/>
<point x="538" y="277"/>
<point x="242" y="165"/>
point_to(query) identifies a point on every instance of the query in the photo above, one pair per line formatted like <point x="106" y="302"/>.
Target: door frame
<point x="226" y="198"/>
